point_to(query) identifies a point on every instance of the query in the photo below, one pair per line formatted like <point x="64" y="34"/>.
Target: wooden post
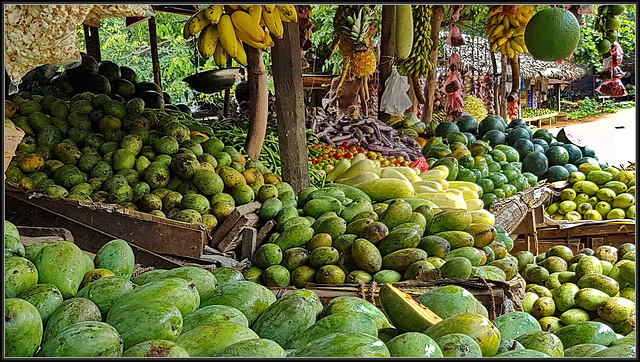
<point x="155" y="60"/>
<point x="504" y="62"/>
<point x="430" y="86"/>
<point x="494" y="66"/>
<point x="227" y="94"/>
<point x="387" y="51"/>
<point x="515" y="80"/>
<point x="92" y="41"/>
<point x="258" y="102"/>
<point x="287" y="79"/>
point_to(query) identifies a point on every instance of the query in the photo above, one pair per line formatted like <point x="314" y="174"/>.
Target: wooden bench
<point x="540" y="119"/>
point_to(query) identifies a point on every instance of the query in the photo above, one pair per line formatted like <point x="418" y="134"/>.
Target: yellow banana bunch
<point x="195" y="24"/>
<point x="288" y="13"/>
<point x="418" y="63"/>
<point x="224" y="29"/>
<point x="273" y="22"/>
<point x="213" y="13"/>
<point x="207" y="41"/>
<point x="507" y="31"/>
<point x="227" y="35"/>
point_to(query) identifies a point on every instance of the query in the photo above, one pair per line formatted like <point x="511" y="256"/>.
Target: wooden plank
<point x="287" y="78"/>
<point x="155" y="59"/>
<point x="156" y="234"/>
<point x="233" y="238"/>
<point x="430" y="85"/>
<point x="92" y="40"/>
<point x="387" y="51"/>
<point x="264" y="231"/>
<point x="249" y="243"/>
<point x="257" y="79"/>
<point x="231" y="220"/>
<point x="586" y="230"/>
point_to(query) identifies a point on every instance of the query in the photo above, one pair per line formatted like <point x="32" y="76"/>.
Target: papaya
<point x="62" y="264"/>
<point x="20" y="275"/>
<point x="450" y="220"/>
<point x="178" y="292"/>
<point x="341" y="344"/>
<point x="84" y="339"/>
<point x="355" y="304"/>
<point x="450" y="300"/>
<point x="583" y="350"/>
<point x="406" y="314"/>
<point x="400" y="260"/>
<point x="248" y="297"/>
<point x="355" y="208"/>
<point x="226" y="274"/>
<point x="397" y="213"/>
<point x="147" y="276"/>
<point x="117" y="256"/>
<point x="45" y="297"/>
<point x="213" y="313"/>
<point x="586" y="332"/>
<point x="210" y="339"/>
<point x="284" y="320"/>
<point x="145" y="321"/>
<point x="104" y="292"/>
<point x="69" y="312"/>
<point x="22" y="328"/>
<point x="545" y="342"/>
<point x="156" y="348"/>
<point x="203" y="280"/>
<point x="413" y="344"/>
<point x="366" y="255"/>
<point x="397" y="239"/>
<point x="456" y="267"/>
<point x="257" y="348"/>
<point x="458" y="345"/>
<point x="475" y="326"/>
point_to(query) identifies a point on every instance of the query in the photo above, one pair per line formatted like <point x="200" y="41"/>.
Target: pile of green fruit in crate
<point x="334" y="235"/>
<point x="596" y="195"/>
<point x="60" y="302"/>
<point x="568" y="292"/>
<point x="97" y="149"/>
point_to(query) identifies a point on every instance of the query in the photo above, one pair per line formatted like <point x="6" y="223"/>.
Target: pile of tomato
<point x="323" y="154"/>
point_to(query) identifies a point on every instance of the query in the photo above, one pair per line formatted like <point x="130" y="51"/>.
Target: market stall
<point x="414" y="215"/>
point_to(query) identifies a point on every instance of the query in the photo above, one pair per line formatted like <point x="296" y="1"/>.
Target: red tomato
<point x="345" y="145"/>
<point x="320" y="158"/>
<point x="360" y="150"/>
<point x="339" y="156"/>
<point x="349" y="155"/>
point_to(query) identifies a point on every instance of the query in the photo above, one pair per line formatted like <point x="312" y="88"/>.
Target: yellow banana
<point x="514" y="21"/>
<point x="213" y="13"/>
<point x="268" y="40"/>
<point x="256" y="13"/>
<point x="519" y="31"/>
<point x="494" y="10"/>
<point x="515" y="46"/>
<point x="241" y="55"/>
<point x="244" y="23"/>
<point x="520" y="41"/>
<point x="245" y="7"/>
<point x="494" y="20"/>
<point x="498" y="29"/>
<point x="505" y="22"/>
<point x="234" y="7"/>
<point x="227" y="35"/>
<point x="273" y="23"/>
<point x="502" y="41"/>
<point x="229" y="9"/>
<point x="269" y="8"/>
<point x="288" y="13"/>
<point x="258" y="45"/>
<point x="503" y="50"/>
<point x="207" y="41"/>
<point x="500" y="17"/>
<point x="220" y="56"/>
<point x="509" y="33"/>
<point x="494" y="46"/>
<point x="195" y="24"/>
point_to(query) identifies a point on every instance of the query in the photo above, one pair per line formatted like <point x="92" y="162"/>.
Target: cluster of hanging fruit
<point x="224" y="29"/>
<point x="506" y="28"/>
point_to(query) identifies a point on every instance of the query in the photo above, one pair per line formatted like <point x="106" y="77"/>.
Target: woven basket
<point x="510" y="212"/>
<point x="12" y="138"/>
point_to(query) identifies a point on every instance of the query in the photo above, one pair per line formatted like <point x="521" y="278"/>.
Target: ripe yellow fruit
<point x="228" y="35"/>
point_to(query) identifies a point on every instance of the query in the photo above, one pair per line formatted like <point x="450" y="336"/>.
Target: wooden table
<point x="551" y="117"/>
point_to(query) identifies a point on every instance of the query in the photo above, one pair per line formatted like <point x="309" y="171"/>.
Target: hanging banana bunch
<point x="507" y="31"/>
<point x="418" y="63"/>
<point x="223" y="30"/>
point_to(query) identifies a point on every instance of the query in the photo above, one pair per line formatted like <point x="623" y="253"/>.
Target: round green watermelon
<point x="492" y="122"/>
<point x="556" y="173"/>
<point x="536" y="163"/>
<point x="544" y="134"/>
<point x="494" y="137"/>
<point x="574" y="152"/>
<point x="557" y="155"/>
<point x="467" y="123"/>
<point x="524" y="147"/>
<point x="443" y="129"/>
<point x="516" y="134"/>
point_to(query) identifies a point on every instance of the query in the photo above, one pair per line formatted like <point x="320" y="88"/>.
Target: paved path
<point x="614" y="145"/>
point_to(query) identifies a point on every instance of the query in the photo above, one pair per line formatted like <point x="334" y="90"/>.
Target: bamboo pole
<point x="430" y="86"/>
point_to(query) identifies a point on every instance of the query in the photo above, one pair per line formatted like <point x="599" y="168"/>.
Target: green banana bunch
<point x="418" y="63"/>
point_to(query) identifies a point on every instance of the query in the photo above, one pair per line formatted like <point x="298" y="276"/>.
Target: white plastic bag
<point x="395" y="99"/>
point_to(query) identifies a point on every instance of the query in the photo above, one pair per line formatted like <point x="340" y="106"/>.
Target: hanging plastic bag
<point x="394" y="98"/>
<point x="585" y="9"/>
<point x="617" y="55"/>
<point x="455" y="38"/>
<point x="609" y="74"/>
<point x="511" y="10"/>
<point x="455" y="64"/>
<point x="613" y="88"/>
<point x="453" y="83"/>
<point x="455" y="12"/>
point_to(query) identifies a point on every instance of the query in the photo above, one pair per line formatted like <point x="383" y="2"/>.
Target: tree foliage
<point x="586" y="52"/>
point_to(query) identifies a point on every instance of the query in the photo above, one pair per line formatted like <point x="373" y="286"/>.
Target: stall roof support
<point x="387" y="47"/>
<point x="155" y="59"/>
<point x="287" y="77"/>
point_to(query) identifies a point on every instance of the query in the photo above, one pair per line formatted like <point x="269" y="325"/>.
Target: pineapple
<point x="353" y="30"/>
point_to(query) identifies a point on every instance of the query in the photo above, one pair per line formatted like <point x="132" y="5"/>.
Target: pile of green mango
<point x="564" y="289"/>
<point x="336" y="235"/>
<point x="61" y="303"/>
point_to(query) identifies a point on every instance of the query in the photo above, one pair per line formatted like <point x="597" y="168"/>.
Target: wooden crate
<point x="149" y="232"/>
<point x="498" y="297"/>
<point x="12" y="138"/>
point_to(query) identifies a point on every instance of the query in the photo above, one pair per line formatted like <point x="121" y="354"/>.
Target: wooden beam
<point x="258" y="102"/>
<point x="155" y="59"/>
<point x="502" y="96"/>
<point x="515" y="80"/>
<point x="227" y="94"/>
<point x="430" y="87"/>
<point x="287" y="78"/>
<point x="92" y="41"/>
<point x="387" y="51"/>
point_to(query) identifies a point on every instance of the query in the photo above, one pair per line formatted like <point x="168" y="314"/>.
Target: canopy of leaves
<point x="586" y="52"/>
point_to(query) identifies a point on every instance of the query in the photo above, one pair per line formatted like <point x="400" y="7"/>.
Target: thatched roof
<point x="476" y="55"/>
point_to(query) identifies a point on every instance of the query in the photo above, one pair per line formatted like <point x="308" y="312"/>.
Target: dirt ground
<point x="573" y="122"/>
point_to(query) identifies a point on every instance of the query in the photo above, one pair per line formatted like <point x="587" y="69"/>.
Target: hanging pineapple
<point x="353" y="29"/>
